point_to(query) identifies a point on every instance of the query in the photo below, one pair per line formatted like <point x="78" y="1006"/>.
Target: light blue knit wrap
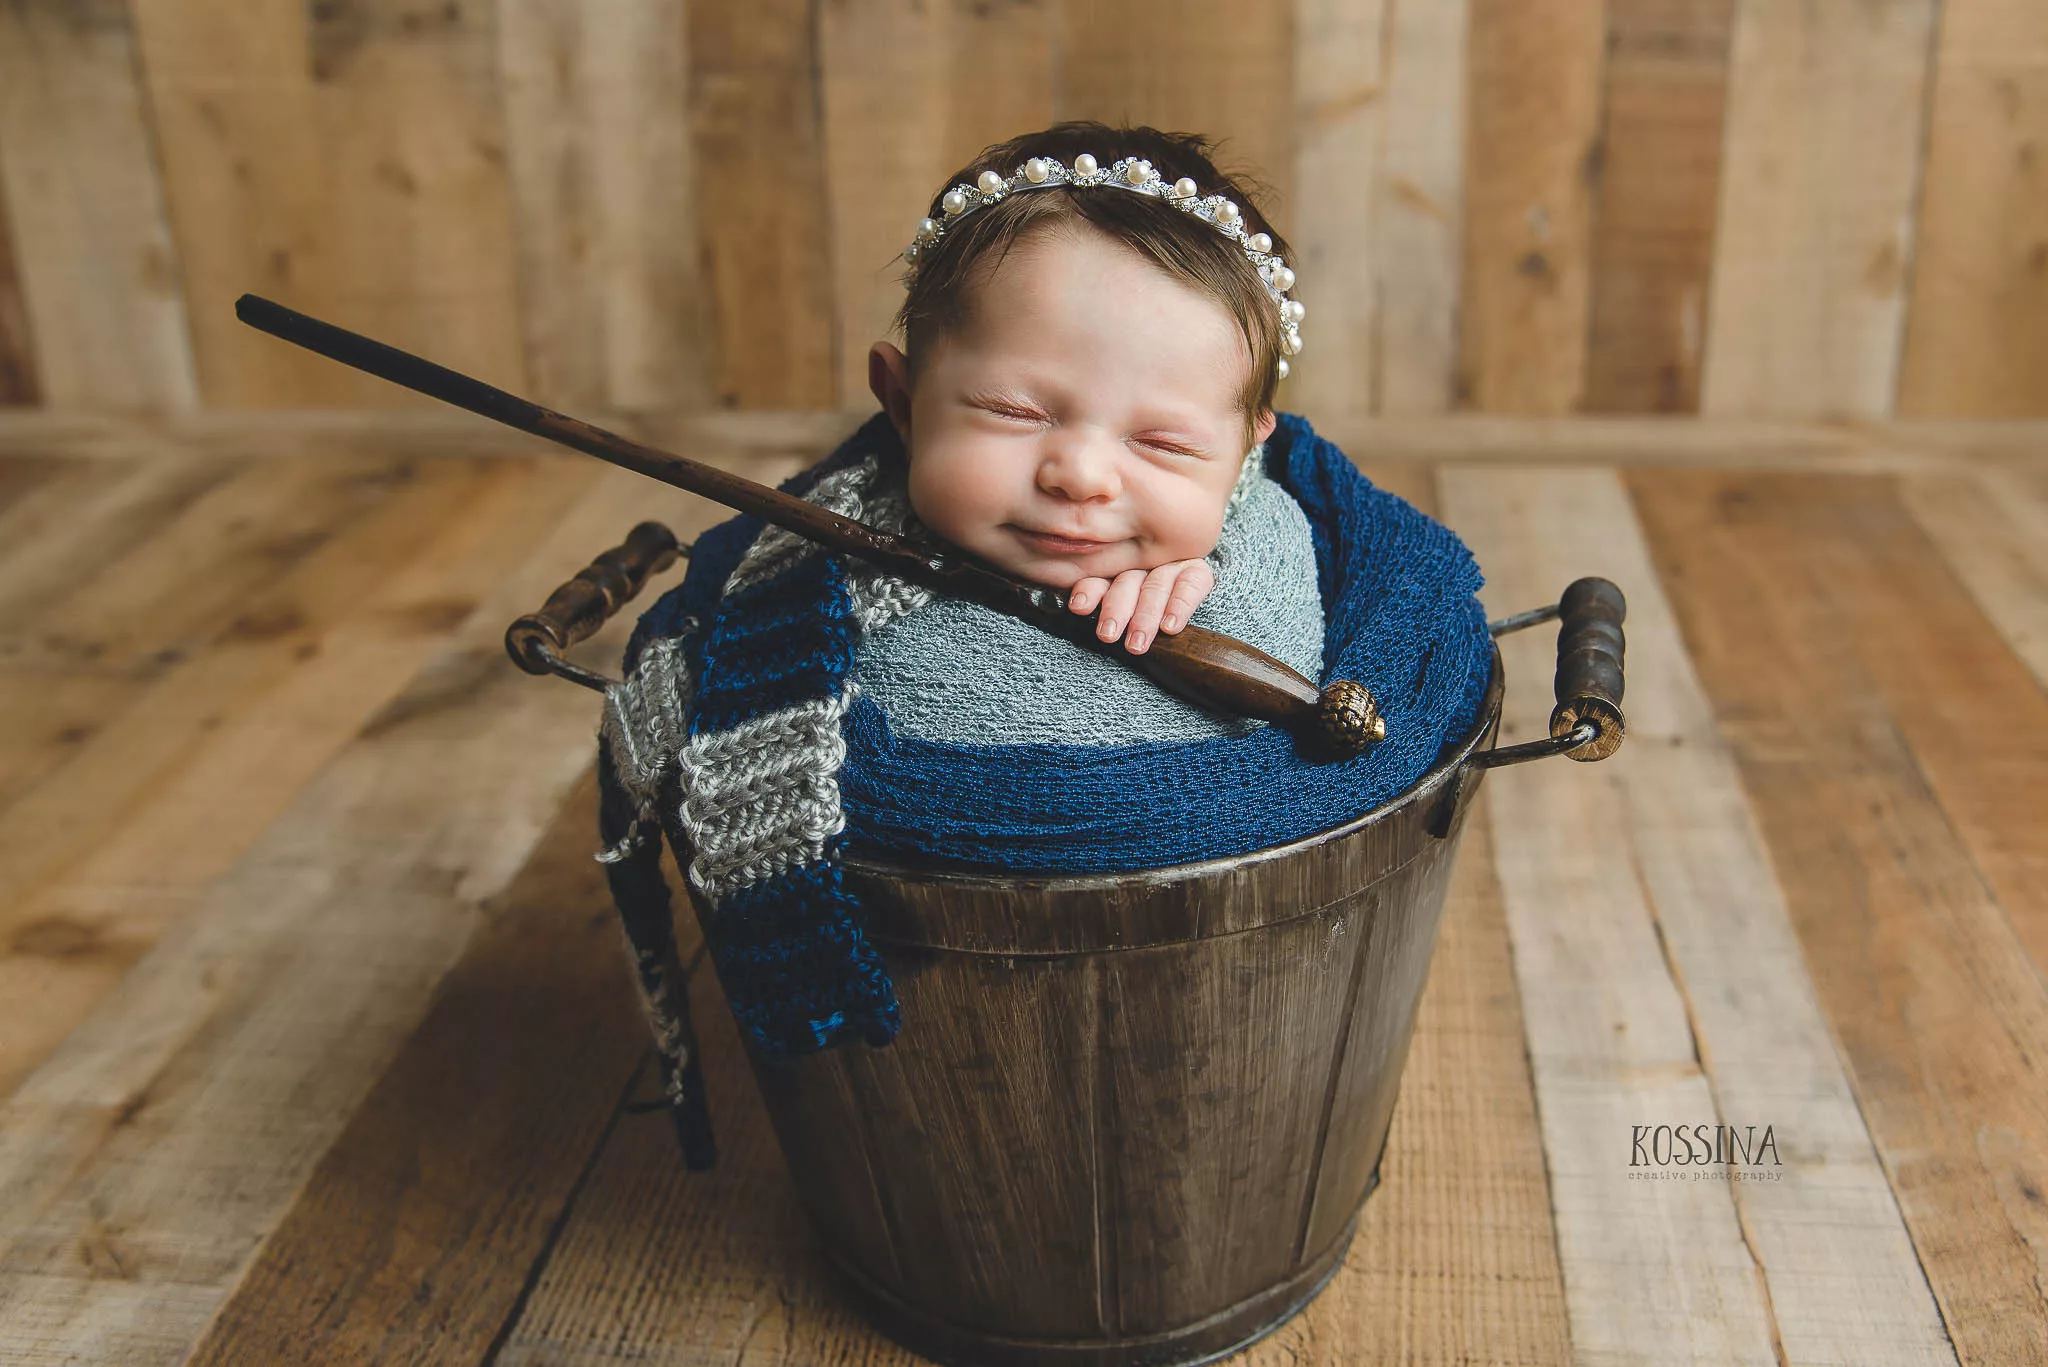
<point x="956" y="672"/>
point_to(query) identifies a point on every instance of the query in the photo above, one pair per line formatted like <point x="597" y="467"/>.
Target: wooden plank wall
<point x="1833" y="210"/>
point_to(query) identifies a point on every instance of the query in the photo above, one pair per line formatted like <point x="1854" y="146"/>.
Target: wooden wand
<point x="1206" y="667"/>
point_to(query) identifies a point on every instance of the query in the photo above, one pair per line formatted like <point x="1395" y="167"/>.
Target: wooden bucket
<point x="1130" y="1118"/>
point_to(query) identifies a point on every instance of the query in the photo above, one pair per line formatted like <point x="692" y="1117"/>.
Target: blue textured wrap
<point x="1403" y="618"/>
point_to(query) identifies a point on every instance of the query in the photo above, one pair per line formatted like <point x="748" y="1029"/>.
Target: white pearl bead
<point x="1283" y="279"/>
<point x="1034" y="171"/>
<point x="1290" y="342"/>
<point x="953" y="201"/>
<point x="1260" y="243"/>
<point x="1137" y="173"/>
<point x="1284" y="367"/>
<point x="989" y="182"/>
<point x="1184" y="188"/>
<point x="927" y="226"/>
<point x="1293" y="310"/>
<point x="1084" y="165"/>
<point x="1226" y="212"/>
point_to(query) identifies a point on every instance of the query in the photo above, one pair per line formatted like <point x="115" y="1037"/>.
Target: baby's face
<point x="1085" y="422"/>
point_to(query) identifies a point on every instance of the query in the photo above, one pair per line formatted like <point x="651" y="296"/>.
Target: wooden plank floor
<point x="316" y="1037"/>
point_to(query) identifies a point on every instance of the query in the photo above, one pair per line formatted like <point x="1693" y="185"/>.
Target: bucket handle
<point x="1586" y="724"/>
<point x="575" y="611"/>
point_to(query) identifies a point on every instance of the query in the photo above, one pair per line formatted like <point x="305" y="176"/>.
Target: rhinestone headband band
<point x="1135" y="175"/>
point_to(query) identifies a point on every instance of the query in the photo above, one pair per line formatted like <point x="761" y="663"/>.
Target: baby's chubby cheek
<point x="972" y="509"/>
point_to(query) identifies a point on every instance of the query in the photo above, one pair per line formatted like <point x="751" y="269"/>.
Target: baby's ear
<point x="889" y="378"/>
<point x="1263" y="428"/>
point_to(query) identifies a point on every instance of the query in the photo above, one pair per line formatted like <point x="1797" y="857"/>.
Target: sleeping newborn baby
<point x="1086" y="381"/>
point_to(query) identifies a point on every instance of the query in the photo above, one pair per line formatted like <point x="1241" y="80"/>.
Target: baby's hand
<point x="1138" y="601"/>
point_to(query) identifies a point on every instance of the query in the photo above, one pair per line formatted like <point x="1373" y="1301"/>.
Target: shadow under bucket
<point x="1131" y="1117"/>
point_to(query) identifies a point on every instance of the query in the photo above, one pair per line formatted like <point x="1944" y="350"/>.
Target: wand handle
<point x="1206" y="667"/>
<point x="438" y="382"/>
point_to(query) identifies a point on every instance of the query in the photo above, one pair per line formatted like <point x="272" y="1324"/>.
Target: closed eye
<point x="1171" y="447"/>
<point x="1010" y="412"/>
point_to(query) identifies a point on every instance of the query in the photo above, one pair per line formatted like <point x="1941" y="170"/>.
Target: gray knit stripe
<point x="776" y="549"/>
<point x="762" y="798"/>
<point x="642" y="728"/>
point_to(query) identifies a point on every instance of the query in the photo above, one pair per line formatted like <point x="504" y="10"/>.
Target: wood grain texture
<point x="82" y="438"/>
<point x="1455" y="1259"/>
<point x="1654" y="210"/>
<point x="1218" y="67"/>
<point x="18" y="384"/>
<point x="911" y="91"/>
<point x="347" y="158"/>
<point x="1992" y="529"/>
<point x="44" y="434"/>
<point x="412" y="1240"/>
<point x="754" y="118"/>
<point x="141" y="606"/>
<point x="1913" y="644"/>
<point x="1915" y="909"/>
<point x="1454" y="1256"/>
<point x="1340" y="87"/>
<point x="659" y="1264"/>
<point x="603" y="179"/>
<point x="1180" y="1164"/>
<point x="99" y="271"/>
<point x="169" y="1133"/>
<point x="114" y="849"/>
<point x="1673" y="994"/>
<point x="21" y="474"/>
<point x="1819" y="177"/>
<point x="1379" y="123"/>
<point x="718" y="1266"/>
<point x="1532" y="120"/>
<point x="1420" y="216"/>
<point x="76" y="656"/>
<point x="596" y="197"/>
<point x="1977" y="328"/>
<point x="60" y="534"/>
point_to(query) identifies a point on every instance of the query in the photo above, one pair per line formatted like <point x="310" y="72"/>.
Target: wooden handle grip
<point x="1590" y="647"/>
<point x="575" y="611"/>
<point x="1225" y="674"/>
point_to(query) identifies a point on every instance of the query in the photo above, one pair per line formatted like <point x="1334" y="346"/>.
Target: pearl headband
<point x="1137" y="176"/>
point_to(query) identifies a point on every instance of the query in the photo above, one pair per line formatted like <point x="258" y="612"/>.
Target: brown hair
<point x="939" y="293"/>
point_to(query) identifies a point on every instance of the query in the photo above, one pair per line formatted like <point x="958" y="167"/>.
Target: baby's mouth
<point x="1059" y="545"/>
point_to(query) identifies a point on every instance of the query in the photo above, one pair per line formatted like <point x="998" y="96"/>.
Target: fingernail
<point x="1170" y="622"/>
<point x="1109" y="626"/>
<point x="1138" y="640"/>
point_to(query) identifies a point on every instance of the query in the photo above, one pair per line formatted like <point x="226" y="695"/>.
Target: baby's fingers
<point x="1119" y="602"/>
<point x="1085" y="594"/>
<point x="1192" y="586"/>
<point x="1180" y="584"/>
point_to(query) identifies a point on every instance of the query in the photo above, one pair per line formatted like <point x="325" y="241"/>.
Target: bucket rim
<point x="1448" y="762"/>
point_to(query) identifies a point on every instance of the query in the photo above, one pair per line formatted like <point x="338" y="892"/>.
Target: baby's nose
<point x="1079" y="470"/>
